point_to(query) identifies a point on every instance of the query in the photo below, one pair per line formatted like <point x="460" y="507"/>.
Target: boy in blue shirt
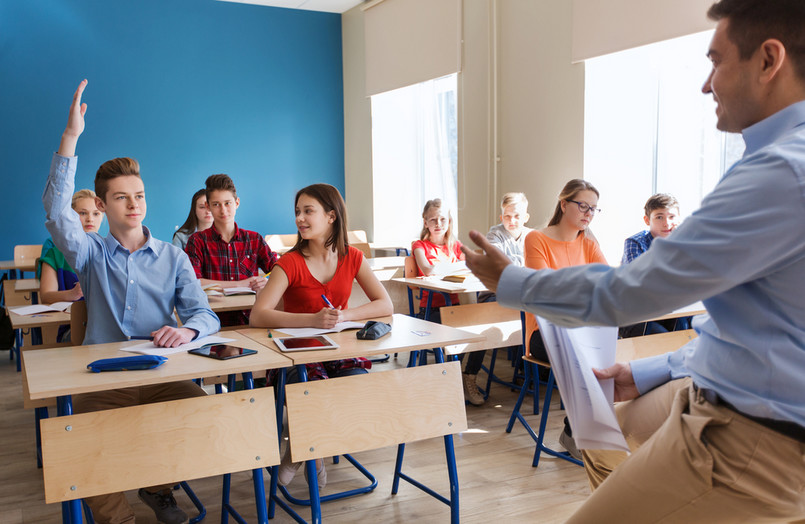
<point x="131" y="282"/>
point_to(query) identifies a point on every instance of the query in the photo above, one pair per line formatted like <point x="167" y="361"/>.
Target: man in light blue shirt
<point x="717" y="428"/>
<point x="131" y="282"/>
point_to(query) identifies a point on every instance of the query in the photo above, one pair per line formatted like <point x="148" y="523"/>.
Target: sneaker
<point x="471" y="391"/>
<point x="321" y="474"/>
<point x="164" y="506"/>
<point x="570" y="445"/>
<point x="287" y="470"/>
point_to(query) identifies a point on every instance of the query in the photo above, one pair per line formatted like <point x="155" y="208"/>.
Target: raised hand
<point x="75" y="122"/>
<point x="487" y="267"/>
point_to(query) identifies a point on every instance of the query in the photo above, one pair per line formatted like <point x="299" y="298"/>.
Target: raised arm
<point x="75" y="122"/>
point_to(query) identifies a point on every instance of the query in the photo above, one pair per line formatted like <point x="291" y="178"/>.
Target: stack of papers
<point x="573" y="354"/>
<point x="41" y="308"/>
<point x="239" y="291"/>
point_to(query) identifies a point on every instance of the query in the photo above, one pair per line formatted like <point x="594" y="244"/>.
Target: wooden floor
<point x="497" y="482"/>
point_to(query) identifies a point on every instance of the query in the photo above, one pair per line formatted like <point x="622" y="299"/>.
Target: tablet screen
<point x="305" y="343"/>
<point x="222" y="351"/>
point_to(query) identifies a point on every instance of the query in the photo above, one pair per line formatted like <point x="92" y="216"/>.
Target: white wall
<point x="540" y="110"/>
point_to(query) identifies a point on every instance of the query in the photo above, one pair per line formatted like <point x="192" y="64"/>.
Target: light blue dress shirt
<point x="742" y="253"/>
<point x="127" y="294"/>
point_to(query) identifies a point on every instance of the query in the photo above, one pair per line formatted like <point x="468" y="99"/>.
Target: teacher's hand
<point x="487" y="267"/>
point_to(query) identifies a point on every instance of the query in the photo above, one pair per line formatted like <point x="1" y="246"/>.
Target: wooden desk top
<point x="687" y="311"/>
<point x="39" y="320"/>
<point x="231" y="303"/>
<point x="470" y="285"/>
<point x="652" y="345"/>
<point x="385" y="262"/>
<point x="5" y="265"/>
<point x="26" y="284"/>
<point x="402" y="338"/>
<point x="63" y="371"/>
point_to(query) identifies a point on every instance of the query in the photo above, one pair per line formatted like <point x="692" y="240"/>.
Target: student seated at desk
<point x="564" y="242"/>
<point x="509" y="237"/>
<point x="199" y="219"/>
<point x="436" y="253"/>
<point x="322" y="265"/>
<point x="662" y="217"/>
<point x="57" y="280"/>
<point x="225" y="254"/>
<point x="132" y="282"/>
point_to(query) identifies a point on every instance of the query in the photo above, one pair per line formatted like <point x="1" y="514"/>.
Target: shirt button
<point x="131" y="282"/>
<point x="128" y="307"/>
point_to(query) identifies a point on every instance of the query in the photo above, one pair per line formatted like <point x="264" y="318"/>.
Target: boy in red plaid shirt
<point x="225" y="254"/>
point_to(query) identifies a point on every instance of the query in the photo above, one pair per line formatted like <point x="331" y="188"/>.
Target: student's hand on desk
<point x="625" y="388"/>
<point x="170" y="337"/>
<point x="256" y="283"/>
<point x="327" y="318"/>
<point x="487" y="266"/>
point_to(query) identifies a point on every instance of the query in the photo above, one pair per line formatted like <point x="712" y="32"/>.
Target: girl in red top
<point x="321" y="263"/>
<point x="436" y="252"/>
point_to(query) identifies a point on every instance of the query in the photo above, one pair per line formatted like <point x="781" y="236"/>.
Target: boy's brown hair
<point x="660" y="201"/>
<point x="220" y="182"/>
<point x="114" y="168"/>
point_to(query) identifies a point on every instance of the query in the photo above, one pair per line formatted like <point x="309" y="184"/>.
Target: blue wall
<point x="188" y="87"/>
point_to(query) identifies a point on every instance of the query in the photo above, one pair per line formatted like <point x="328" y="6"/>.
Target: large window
<point x="414" y="156"/>
<point x="648" y="128"/>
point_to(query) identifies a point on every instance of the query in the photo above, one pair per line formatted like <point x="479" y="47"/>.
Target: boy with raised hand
<point x="662" y="217"/>
<point x="225" y="254"/>
<point x="131" y="282"/>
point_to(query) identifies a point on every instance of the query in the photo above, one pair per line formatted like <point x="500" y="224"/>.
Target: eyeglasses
<point x="584" y="207"/>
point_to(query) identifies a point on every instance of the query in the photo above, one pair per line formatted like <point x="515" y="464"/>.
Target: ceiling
<point x="329" y="6"/>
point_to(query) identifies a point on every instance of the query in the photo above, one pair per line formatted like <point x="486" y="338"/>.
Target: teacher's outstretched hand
<point x="486" y="266"/>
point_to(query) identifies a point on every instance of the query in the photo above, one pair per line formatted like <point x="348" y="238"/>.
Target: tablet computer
<point x="316" y="343"/>
<point x="222" y="351"/>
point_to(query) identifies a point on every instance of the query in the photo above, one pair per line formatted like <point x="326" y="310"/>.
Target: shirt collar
<point x="770" y="129"/>
<point x="215" y="232"/>
<point x="150" y="245"/>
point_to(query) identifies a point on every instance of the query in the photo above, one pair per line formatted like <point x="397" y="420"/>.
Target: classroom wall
<point x="188" y="87"/>
<point x="536" y="99"/>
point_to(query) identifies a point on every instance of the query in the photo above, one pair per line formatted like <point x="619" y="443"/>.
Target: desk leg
<point x="257" y="474"/>
<point x="71" y="510"/>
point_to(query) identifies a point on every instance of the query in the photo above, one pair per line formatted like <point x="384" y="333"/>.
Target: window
<point x="414" y="156"/>
<point x="648" y="129"/>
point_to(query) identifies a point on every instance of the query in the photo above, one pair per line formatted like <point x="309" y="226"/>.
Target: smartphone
<point x="222" y="351"/>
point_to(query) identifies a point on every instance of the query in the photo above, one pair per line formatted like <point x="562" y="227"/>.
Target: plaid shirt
<point x="636" y="245"/>
<point x="238" y="259"/>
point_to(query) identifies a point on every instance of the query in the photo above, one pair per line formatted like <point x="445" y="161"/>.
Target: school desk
<point x="221" y="303"/>
<point x="407" y="334"/>
<point x="26" y="285"/>
<point x="62" y="372"/>
<point x="694" y="309"/>
<point x="21" y="323"/>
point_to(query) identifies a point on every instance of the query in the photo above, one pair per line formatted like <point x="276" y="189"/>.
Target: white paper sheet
<point x="310" y="332"/>
<point x="41" y="308"/>
<point x="239" y="291"/>
<point x="573" y="354"/>
<point x="148" y="348"/>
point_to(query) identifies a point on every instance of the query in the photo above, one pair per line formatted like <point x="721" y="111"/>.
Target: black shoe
<point x="164" y="506"/>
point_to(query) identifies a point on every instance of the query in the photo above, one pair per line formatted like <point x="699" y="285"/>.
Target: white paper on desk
<point x="41" y="308"/>
<point x="148" y="348"/>
<point x="311" y="332"/>
<point x="573" y="354"/>
<point x="241" y="290"/>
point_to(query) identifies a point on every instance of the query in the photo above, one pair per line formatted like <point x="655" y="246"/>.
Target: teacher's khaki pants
<point x="693" y="462"/>
<point x="114" y="508"/>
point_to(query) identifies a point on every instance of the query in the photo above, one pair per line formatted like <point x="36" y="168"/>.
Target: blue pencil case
<point x="126" y="363"/>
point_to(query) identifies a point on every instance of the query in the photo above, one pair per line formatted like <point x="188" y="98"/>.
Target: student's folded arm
<point x="379" y="302"/>
<point x="265" y="312"/>
<point x="191" y="301"/>
<point x="49" y="287"/>
<point x="61" y="221"/>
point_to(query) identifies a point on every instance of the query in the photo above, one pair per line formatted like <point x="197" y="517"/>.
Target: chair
<point x="25" y="257"/>
<point x="501" y="327"/>
<point x="370" y="411"/>
<point x="78" y="322"/>
<point x="532" y="376"/>
<point x="410" y="271"/>
<point x="109" y="451"/>
<point x="13" y="298"/>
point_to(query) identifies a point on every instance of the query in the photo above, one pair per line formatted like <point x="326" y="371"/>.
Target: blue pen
<point x="329" y="304"/>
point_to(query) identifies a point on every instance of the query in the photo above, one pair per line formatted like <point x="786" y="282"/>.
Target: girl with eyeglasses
<point x="565" y="241"/>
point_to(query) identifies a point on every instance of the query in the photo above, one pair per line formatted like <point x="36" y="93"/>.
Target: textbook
<point x="574" y="352"/>
<point x="41" y="308"/>
<point x="455" y="278"/>
<point x="239" y="291"/>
